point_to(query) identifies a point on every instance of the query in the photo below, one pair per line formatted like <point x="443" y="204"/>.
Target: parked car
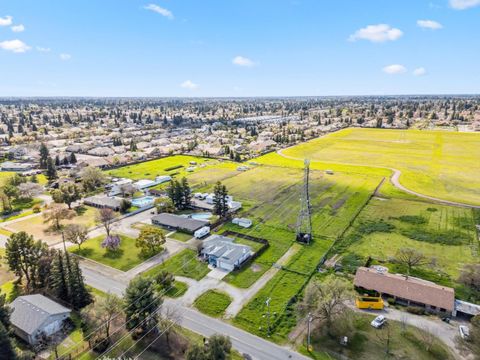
<point x="378" y="322"/>
<point x="464" y="331"/>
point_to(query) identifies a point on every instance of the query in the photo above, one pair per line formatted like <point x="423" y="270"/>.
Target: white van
<point x="202" y="232"/>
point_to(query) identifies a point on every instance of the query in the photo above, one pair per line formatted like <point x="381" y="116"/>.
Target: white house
<point x="145" y="183"/>
<point x="116" y="186"/>
<point x="221" y="252"/>
<point x="36" y="315"/>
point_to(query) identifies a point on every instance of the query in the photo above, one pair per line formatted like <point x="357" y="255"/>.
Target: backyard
<point x="444" y="234"/>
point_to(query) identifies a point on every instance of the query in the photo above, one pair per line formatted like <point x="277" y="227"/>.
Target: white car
<point x="464" y="331"/>
<point x="378" y="322"/>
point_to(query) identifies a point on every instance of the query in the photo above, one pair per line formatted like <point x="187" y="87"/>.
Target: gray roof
<point x="31" y="311"/>
<point x="180" y="222"/>
<point x="102" y="200"/>
<point x="224" y="248"/>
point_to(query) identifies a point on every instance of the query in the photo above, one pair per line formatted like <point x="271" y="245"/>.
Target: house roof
<point x="224" y="248"/>
<point x="101" y="200"/>
<point x="31" y="311"/>
<point x="177" y="221"/>
<point x="409" y="288"/>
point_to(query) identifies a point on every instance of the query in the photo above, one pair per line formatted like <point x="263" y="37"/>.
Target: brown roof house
<point x="408" y="290"/>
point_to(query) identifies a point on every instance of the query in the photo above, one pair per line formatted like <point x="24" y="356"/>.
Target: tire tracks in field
<point x="394" y="179"/>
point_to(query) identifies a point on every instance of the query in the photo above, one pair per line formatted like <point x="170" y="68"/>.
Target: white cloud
<point x="377" y="33"/>
<point x="394" y="69"/>
<point x="18" y="28"/>
<point x="65" y="57"/>
<point x="43" y="49"/>
<point x="429" y="24"/>
<point x="243" y="61"/>
<point x="419" y="71"/>
<point x="6" y="21"/>
<point x="16" y="46"/>
<point x="188" y="84"/>
<point x="159" y="10"/>
<point x="464" y="4"/>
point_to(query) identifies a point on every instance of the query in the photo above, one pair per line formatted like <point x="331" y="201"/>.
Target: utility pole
<point x="267" y="302"/>
<point x="309" y="321"/>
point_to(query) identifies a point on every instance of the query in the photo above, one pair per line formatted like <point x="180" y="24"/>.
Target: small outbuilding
<point x="34" y="316"/>
<point x="243" y="222"/>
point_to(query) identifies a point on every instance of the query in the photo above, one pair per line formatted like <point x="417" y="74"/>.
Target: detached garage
<point x="36" y="315"/>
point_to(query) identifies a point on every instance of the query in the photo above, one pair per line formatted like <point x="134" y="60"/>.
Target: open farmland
<point x="444" y="234"/>
<point x="435" y="163"/>
<point x="207" y="171"/>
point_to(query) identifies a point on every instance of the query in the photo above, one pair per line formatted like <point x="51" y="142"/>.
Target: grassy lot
<point x="37" y="227"/>
<point x="213" y="303"/>
<point x="184" y="263"/>
<point x="180" y="236"/>
<point x="368" y="343"/>
<point x="274" y="193"/>
<point x="444" y="234"/>
<point x="437" y="163"/>
<point x="178" y="289"/>
<point x="125" y="258"/>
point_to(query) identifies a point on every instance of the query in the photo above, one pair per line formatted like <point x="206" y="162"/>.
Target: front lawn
<point x="213" y="303"/>
<point x="184" y="263"/>
<point x="125" y="258"/>
<point x="178" y="289"/>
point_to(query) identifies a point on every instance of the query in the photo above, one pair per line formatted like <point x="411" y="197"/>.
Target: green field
<point x="444" y="234"/>
<point x="125" y="258"/>
<point x="213" y="303"/>
<point x="184" y="263"/>
<point x="207" y="171"/>
<point x="436" y="163"/>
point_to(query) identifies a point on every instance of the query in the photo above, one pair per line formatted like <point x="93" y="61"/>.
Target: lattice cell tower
<point x="304" y="221"/>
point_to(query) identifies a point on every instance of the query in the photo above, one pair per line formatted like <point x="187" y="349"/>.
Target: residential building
<point x="34" y="316"/>
<point x="408" y="290"/>
<point x="103" y="201"/>
<point x="221" y="252"/>
<point x="177" y="222"/>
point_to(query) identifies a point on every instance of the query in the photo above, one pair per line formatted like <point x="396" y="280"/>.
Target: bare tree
<point x="470" y="276"/>
<point x="384" y="337"/>
<point x="325" y="300"/>
<point x="410" y="258"/>
<point x="76" y="234"/>
<point x="29" y="190"/>
<point x="170" y="316"/>
<point x="56" y="213"/>
<point x="106" y="217"/>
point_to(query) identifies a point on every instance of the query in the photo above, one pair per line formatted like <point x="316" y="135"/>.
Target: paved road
<point x="242" y="341"/>
<point x="395" y="179"/>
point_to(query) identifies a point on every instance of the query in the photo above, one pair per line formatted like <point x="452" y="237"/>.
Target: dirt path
<point x="395" y="180"/>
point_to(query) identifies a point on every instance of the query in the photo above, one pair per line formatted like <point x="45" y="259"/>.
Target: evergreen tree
<point x="186" y="194"/>
<point x="220" y="200"/>
<point x="4" y="311"/>
<point x="43" y="156"/>
<point x="78" y="295"/>
<point x="58" y="277"/>
<point x="141" y="305"/>
<point x="73" y="159"/>
<point x="7" y="350"/>
<point x="51" y="170"/>
<point x="57" y="161"/>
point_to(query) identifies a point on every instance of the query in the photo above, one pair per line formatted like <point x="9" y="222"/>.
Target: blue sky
<point x="238" y="47"/>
